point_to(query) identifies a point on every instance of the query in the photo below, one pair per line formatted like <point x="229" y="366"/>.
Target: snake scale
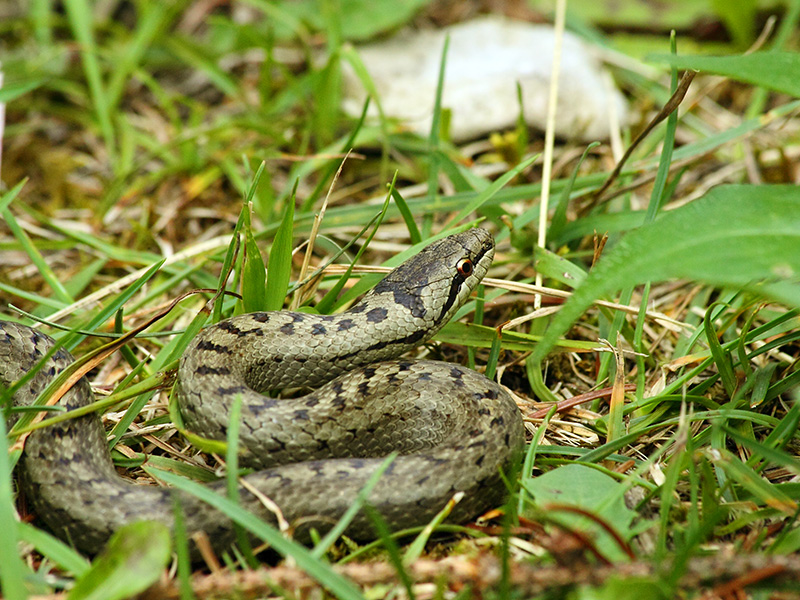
<point x="454" y="429"/>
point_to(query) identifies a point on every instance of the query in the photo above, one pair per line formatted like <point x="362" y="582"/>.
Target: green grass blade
<point x="231" y="255"/>
<point x="405" y="212"/>
<point x="254" y="273"/>
<point x="200" y="59"/>
<point x="494" y="355"/>
<point x="321" y="547"/>
<point x="760" y="488"/>
<point x="154" y="19"/>
<point x="718" y="140"/>
<point x="763" y="450"/>
<point x="417" y="547"/>
<point x="184" y="575"/>
<point x="721" y="357"/>
<point x="79" y="15"/>
<point x="36" y="258"/>
<point x="7" y="198"/>
<point x="232" y="475"/>
<point x="487" y="194"/>
<point x="35" y="298"/>
<point x="279" y="268"/>
<point x="327" y="83"/>
<point x="326" y="305"/>
<point x="121" y="427"/>
<point x="560" y="215"/>
<point x="53" y="548"/>
<point x="336" y="584"/>
<point x="533" y="370"/>
<point x="12" y="569"/>
<point x="530" y="454"/>
<point x="433" y="137"/>
<point x="108" y="311"/>
<point x="668" y="499"/>
<point x="333" y="165"/>
<point x="41" y="16"/>
<point x="392" y="549"/>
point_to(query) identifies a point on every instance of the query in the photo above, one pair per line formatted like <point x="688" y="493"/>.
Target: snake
<point x="452" y="429"/>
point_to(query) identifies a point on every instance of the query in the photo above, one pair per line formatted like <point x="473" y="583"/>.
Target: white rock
<point x="486" y="59"/>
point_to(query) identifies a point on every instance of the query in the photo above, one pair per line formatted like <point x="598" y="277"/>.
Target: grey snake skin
<point x="454" y="429"/>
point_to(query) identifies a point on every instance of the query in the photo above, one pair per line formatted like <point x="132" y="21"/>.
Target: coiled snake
<point x="454" y="429"/>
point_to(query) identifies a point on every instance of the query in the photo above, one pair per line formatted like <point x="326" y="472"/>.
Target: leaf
<point x="203" y="443"/>
<point x="740" y="19"/>
<point x="721" y="357"/>
<point x="254" y="274"/>
<point x="588" y="489"/>
<point x="744" y="236"/>
<point x="629" y="588"/>
<point x="80" y="18"/>
<point x="12" y="91"/>
<point x="485" y="195"/>
<point x="279" y="268"/>
<point x="779" y="71"/>
<point x="787" y="543"/>
<point x="133" y="560"/>
<point x="760" y="488"/>
<point x="12" y="569"/>
<point x="360" y="19"/>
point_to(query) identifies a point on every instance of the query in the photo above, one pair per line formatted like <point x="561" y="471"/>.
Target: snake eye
<point x="464" y="267"/>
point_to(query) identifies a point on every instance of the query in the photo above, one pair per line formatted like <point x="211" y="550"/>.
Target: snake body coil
<point x="454" y="429"/>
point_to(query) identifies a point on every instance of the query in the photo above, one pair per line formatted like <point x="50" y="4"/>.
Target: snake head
<point x="433" y="284"/>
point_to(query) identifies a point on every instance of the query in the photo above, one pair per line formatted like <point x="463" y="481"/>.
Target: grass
<point x="659" y="381"/>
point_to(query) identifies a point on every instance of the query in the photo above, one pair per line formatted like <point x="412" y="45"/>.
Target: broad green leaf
<point x="132" y="562"/>
<point x="779" y="71"/>
<point x="590" y="490"/>
<point x="556" y="267"/>
<point x="744" y="236"/>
